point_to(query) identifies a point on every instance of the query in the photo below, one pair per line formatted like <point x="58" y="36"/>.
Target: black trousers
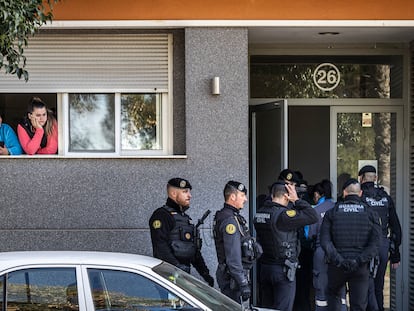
<point x="358" y="283"/>
<point x="276" y="291"/>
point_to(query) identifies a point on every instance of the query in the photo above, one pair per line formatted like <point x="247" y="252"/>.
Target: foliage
<point x="139" y="121"/>
<point x="19" y="20"/>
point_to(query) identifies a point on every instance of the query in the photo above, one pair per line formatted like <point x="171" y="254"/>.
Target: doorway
<point x="327" y="141"/>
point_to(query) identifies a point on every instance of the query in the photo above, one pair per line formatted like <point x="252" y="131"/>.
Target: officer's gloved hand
<point x="208" y="279"/>
<point x="350" y="265"/>
<point x="245" y="292"/>
<point x="184" y="267"/>
<point x="395" y="256"/>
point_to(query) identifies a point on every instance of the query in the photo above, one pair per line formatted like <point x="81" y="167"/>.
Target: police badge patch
<point x="156" y="224"/>
<point x="291" y="213"/>
<point x="230" y="229"/>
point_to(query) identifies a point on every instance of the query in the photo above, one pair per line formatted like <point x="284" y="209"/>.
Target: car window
<point x="46" y="289"/>
<point x="198" y="289"/>
<point x="122" y="290"/>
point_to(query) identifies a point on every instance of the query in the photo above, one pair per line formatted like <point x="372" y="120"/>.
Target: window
<point x="361" y="76"/>
<point x="112" y="92"/>
<point x="115" y="124"/>
<point x="122" y="290"/>
<point x="102" y="124"/>
<point x="43" y="289"/>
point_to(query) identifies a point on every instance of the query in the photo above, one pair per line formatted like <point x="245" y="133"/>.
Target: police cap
<point x="289" y="175"/>
<point x="237" y="185"/>
<point x="367" y="169"/>
<point x="180" y="183"/>
<point x="350" y="181"/>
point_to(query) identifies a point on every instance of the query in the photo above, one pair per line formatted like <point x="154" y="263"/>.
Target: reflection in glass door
<point x="367" y="137"/>
<point x="362" y="136"/>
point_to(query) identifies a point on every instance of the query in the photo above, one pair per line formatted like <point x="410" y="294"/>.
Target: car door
<point x="46" y="288"/>
<point x="113" y="289"/>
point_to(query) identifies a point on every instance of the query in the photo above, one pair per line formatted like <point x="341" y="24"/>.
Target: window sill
<point x="100" y="156"/>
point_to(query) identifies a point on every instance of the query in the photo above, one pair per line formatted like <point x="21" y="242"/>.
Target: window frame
<point x="76" y="267"/>
<point x="87" y="290"/>
<point x="166" y="119"/>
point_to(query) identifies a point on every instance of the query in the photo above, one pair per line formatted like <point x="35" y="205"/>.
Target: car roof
<point x="14" y="259"/>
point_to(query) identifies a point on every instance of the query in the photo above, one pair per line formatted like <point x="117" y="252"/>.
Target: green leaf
<point x="20" y="20"/>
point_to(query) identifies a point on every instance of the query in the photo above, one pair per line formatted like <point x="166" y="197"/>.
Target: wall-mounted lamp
<point x="215" y="86"/>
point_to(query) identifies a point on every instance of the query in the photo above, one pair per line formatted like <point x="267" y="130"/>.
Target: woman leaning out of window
<point x="38" y="131"/>
<point x="9" y="144"/>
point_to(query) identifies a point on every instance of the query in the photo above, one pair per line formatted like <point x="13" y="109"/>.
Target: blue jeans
<point x="320" y="282"/>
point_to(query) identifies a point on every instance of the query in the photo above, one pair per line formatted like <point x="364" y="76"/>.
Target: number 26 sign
<point x="326" y="76"/>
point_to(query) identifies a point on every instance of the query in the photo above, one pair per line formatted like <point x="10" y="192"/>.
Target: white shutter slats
<point x="83" y="62"/>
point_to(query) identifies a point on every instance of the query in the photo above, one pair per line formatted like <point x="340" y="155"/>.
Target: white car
<point x="88" y="281"/>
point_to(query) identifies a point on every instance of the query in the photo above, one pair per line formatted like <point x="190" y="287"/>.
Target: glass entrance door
<point x="369" y="135"/>
<point x="268" y="151"/>
<point x="268" y="154"/>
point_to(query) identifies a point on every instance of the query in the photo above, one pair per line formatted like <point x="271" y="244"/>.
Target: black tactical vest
<point x="277" y="245"/>
<point x="378" y="199"/>
<point x="350" y="227"/>
<point x="250" y="249"/>
<point x="182" y="236"/>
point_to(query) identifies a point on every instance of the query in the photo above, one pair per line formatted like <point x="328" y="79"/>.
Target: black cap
<point x="180" y="183"/>
<point x="350" y="181"/>
<point x="367" y="169"/>
<point x="289" y="175"/>
<point x="237" y="185"/>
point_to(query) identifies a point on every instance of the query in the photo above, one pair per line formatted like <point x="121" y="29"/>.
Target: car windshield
<point x="204" y="293"/>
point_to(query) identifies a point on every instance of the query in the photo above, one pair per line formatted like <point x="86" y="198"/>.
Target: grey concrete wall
<point x="217" y="126"/>
<point x="104" y="204"/>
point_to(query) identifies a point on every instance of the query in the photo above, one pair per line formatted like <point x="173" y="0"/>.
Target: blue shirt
<point x="11" y="142"/>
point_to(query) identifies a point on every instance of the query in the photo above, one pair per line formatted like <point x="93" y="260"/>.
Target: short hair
<point x="233" y="186"/>
<point x="278" y="189"/>
<point x="353" y="188"/>
<point x="229" y="190"/>
<point x="369" y="176"/>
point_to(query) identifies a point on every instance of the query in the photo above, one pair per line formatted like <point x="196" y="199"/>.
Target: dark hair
<point x="278" y="189"/>
<point x="228" y="190"/>
<point x="319" y="188"/>
<point x="36" y="102"/>
<point x="327" y="186"/>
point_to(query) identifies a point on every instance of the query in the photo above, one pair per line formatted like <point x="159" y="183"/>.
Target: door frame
<point x="399" y="193"/>
<point x="358" y="106"/>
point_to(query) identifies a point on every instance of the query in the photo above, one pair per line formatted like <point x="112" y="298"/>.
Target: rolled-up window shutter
<point x="85" y="62"/>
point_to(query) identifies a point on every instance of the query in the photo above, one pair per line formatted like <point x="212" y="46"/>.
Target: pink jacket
<point x="32" y="145"/>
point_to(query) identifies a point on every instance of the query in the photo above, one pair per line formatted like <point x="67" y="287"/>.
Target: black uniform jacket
<point x="370" y="190"/>
<point x="161" y="223"/>
<point x="228" y="236"/>
<point x="294" y="218"/>
<point x="361" y="234"/>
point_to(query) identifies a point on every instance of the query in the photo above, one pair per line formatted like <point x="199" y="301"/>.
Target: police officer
<point x="350" y="238"/>
<point x="382" y="203"/>
<point x="323" y="200"/>
<point x="172" y="233"/>
<point x="276" y="224"/>
<point x="236" y="249"/>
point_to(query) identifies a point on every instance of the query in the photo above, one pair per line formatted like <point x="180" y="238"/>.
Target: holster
<point x="373" y="266"/>
<point x="290" y="268"/>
